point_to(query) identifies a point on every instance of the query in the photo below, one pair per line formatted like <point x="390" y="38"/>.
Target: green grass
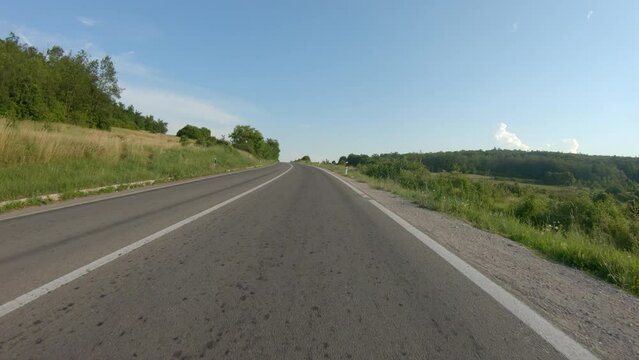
<point x="36" y="160"/>
<point x="572" y="247"/>
<point x="72" y="175"/>
<point x="530" y="183"/>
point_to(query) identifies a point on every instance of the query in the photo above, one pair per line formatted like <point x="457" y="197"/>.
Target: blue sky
<point x="328" y="78"/>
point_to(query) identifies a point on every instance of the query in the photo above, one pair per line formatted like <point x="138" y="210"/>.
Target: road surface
<point x="301" y="268"/>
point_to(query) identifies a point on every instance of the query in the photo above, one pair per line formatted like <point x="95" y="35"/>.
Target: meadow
<point x="582" y="227"/>
<point x="38" y="158"/>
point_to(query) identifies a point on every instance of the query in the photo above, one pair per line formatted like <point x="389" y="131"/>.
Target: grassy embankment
<point x="507" y="208"/>
<point x="41" y="158"/>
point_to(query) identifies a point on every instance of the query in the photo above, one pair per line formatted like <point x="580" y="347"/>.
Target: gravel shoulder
<point x="599" y="315"/>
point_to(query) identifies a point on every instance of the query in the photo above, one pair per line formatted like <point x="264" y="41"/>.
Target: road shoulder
<point x="597" y="314"/>
<point x="64" y="203"/>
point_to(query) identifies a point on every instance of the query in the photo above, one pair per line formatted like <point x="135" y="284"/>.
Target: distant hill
<point x="554" y="168"/>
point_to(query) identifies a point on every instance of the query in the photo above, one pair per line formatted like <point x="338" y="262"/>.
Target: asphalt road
<point x="300" y="268"/>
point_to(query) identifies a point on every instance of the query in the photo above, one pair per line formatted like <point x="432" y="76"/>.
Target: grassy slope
<point x="39" y="158"/>
<point x="572" y="248"/>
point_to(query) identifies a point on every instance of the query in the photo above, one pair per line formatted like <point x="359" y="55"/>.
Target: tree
<point x="107" y="78"/>
<point x="55" y="54"/>
<point x="270" y="149"/>
<point x="355" y="160"/>
<point x="201" y="135"/>
<point x="247" y="138"/>
<point x="55" y="85"/>
<point x="559" y="178"/>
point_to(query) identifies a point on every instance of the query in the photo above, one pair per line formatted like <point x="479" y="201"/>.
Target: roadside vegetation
<point x="62" y="129"/>
<point x="40" y="158"/>
<point x="243" y="137"/>
<point x="65" y="87"/>
<point x="591" y="223"/>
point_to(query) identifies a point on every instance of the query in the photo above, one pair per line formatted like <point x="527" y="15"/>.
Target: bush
<point x="415" y="180"/>
<point x="611" y="225"/>
<point x="104" y="124"/>
<point x="249" y="139"/>
<point x="559" y="178"/>
<point x="200" y="135"/>
<point x="591" y="230"/>
<point x="533" y="210"/>
<point x="600" y="216"/>
<point x="383" y="168"/>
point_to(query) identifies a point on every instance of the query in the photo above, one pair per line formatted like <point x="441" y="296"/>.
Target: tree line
<point x="59" y="86"/>
<point x="594" y="212"/>
<point x="243" y="137"/>
<point x="613" y="173"/>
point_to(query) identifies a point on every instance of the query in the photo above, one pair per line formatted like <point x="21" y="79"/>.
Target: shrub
<point x="200" y="135"/>
<point x="415" y="180"/>
<point x="591" y="230"/>
<point x="532" y="210"/>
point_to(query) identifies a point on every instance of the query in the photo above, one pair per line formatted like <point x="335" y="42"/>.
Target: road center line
<point x="32" y="295"/>
<point x="554" y="336"/>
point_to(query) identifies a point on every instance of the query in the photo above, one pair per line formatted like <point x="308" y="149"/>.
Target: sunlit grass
<point x="39" y="158"/>
<point x="572" y="248"/>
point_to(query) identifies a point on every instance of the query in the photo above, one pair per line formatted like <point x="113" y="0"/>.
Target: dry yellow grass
<point x="39" y="158"/>
<point x="27" y="142"/>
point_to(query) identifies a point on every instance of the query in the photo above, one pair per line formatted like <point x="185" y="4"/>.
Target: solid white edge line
<point x="32" y="295"/>
<point x="563" y="343"/>
<point x="125" y="193"/>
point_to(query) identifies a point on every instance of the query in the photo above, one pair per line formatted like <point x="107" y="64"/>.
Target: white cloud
<point x="86" y="21"/>
<point x="572" y="145"/>
<point x="144" y="86"/>
<point x="126" y="64"/>
<point x="515" y="27"/>
<point x="589" y="14"/>
<point x="509" y="139"/>
<point x="512" y="141"/>
<point x="179" y="110"/>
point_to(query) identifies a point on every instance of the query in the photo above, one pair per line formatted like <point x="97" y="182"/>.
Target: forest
<point x="65" y="87"/>
<point x="612" y="173"/>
